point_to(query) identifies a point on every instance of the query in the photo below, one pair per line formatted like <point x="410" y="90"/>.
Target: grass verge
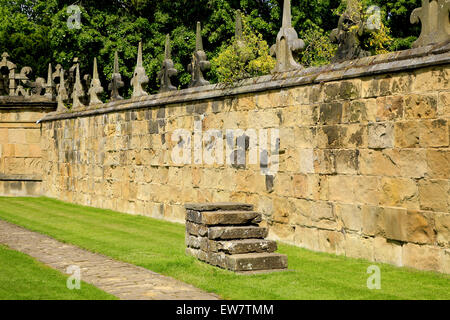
<point x="23" y="278"/>
<point x="159" y="246"/>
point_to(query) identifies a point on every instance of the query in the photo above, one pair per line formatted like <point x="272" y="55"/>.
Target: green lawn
<point x="159" y="246"/>
<point x="23" y="278"/>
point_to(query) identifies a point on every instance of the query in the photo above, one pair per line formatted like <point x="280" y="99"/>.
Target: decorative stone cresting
<point x="140" y="78"/>
<point x="61" y="89"/>
<point x="116" y="80"/>
<point x="77" y="93"/>
<point x="50" y="86"/>
<point x="199" y="62"/>
<point x="16" y="84"/>
<point x="81" y="85"/>
<point x="434" y="16"/>
<point x="239" y="33"/>
<point x="96" y="86"/>
<point x="227" y="235"/>
<point x="167" y="69"/>
<point x="347" y="37"/>
<point x="287" y="43"/>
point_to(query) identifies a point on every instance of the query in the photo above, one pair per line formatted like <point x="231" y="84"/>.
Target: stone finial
<point x="50" y="85"/>
<point x="10" y="87"/>
<point x="21" y="79"/>
<point x="116" y="80"/>
<point x="77" y="93"/>
<point x="38" y="87"/>
<point x="86" y="82"/>
<point x="434" y="16"/>
<point x="287" y="43"/>
<point x="167" y="69"/>
<point x="239" y="33"/>
<point x="15" y="83"/>
<point x="4" y="84"/>
<point x="6" y="63"/>
<point x="140" y="77"/>
<point x="199" y="62"/>
<point x="61" y="89"/>
<point x="72" y="73"/>
<point x="198" y="37"/>
<point x="95" y="86"/>
<point x="347" y="37"/>
<point x="57" y="73"/>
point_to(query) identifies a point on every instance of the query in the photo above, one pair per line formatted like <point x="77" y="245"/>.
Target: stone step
<point x="219" y="206"/>
<point x="242" y="246"/>
<point x="196" y="229"/>
<point x="216" y="259"/>
<point x="241" y="262"/>
<point x="211" y="218"/>
<point x="237" y="232"/>
<point x="226" y="233"/>
<point x="256" y="261"/>
<point x="231" y="247"/>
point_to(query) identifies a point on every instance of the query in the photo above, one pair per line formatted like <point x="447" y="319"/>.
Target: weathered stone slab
<point x="196" y="229"/>
<point x="241" y="262"/>
<point x="193" y="241"/>
<point x="197" y="253"/>
<point x="201" y="243"/>
<point x="218" y="259"/>
<point x="223" y="217"/>
<point x="256" y="261"/>
<point x="232" y="246"/>
<point x="222" y="206"/>
<point x="237" y="232"/>
<point x="243" y="246"/>
<point x="381" y="135"/>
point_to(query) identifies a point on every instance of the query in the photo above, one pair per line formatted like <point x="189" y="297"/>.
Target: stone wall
<point x="363" y="166"/>
<point x="20" y="145"/>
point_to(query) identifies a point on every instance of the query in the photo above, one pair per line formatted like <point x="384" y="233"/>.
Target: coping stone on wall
<point x="20" y="177"/>
<point x="20" y="102"/>
<point x="391" y="62"/>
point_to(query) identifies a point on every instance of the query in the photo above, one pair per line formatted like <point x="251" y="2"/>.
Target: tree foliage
<point x="375" y="34"/>
<point x="319" y="50"/>
<point x="243" y="58"/>
<point x="35" y="32"/>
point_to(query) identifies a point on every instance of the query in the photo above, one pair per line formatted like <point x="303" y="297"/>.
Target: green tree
<point x="376" y="39"/>
<point x="35" y="32"/>
<point x="23" y="35"/>
<point x="319" y="50"/>
<point x="398" y="21"/>
<point x="243" y="58"/>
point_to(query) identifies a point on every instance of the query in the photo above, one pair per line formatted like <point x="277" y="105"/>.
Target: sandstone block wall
<point x="363" y="159"/>
<point x="20" y="147"/>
